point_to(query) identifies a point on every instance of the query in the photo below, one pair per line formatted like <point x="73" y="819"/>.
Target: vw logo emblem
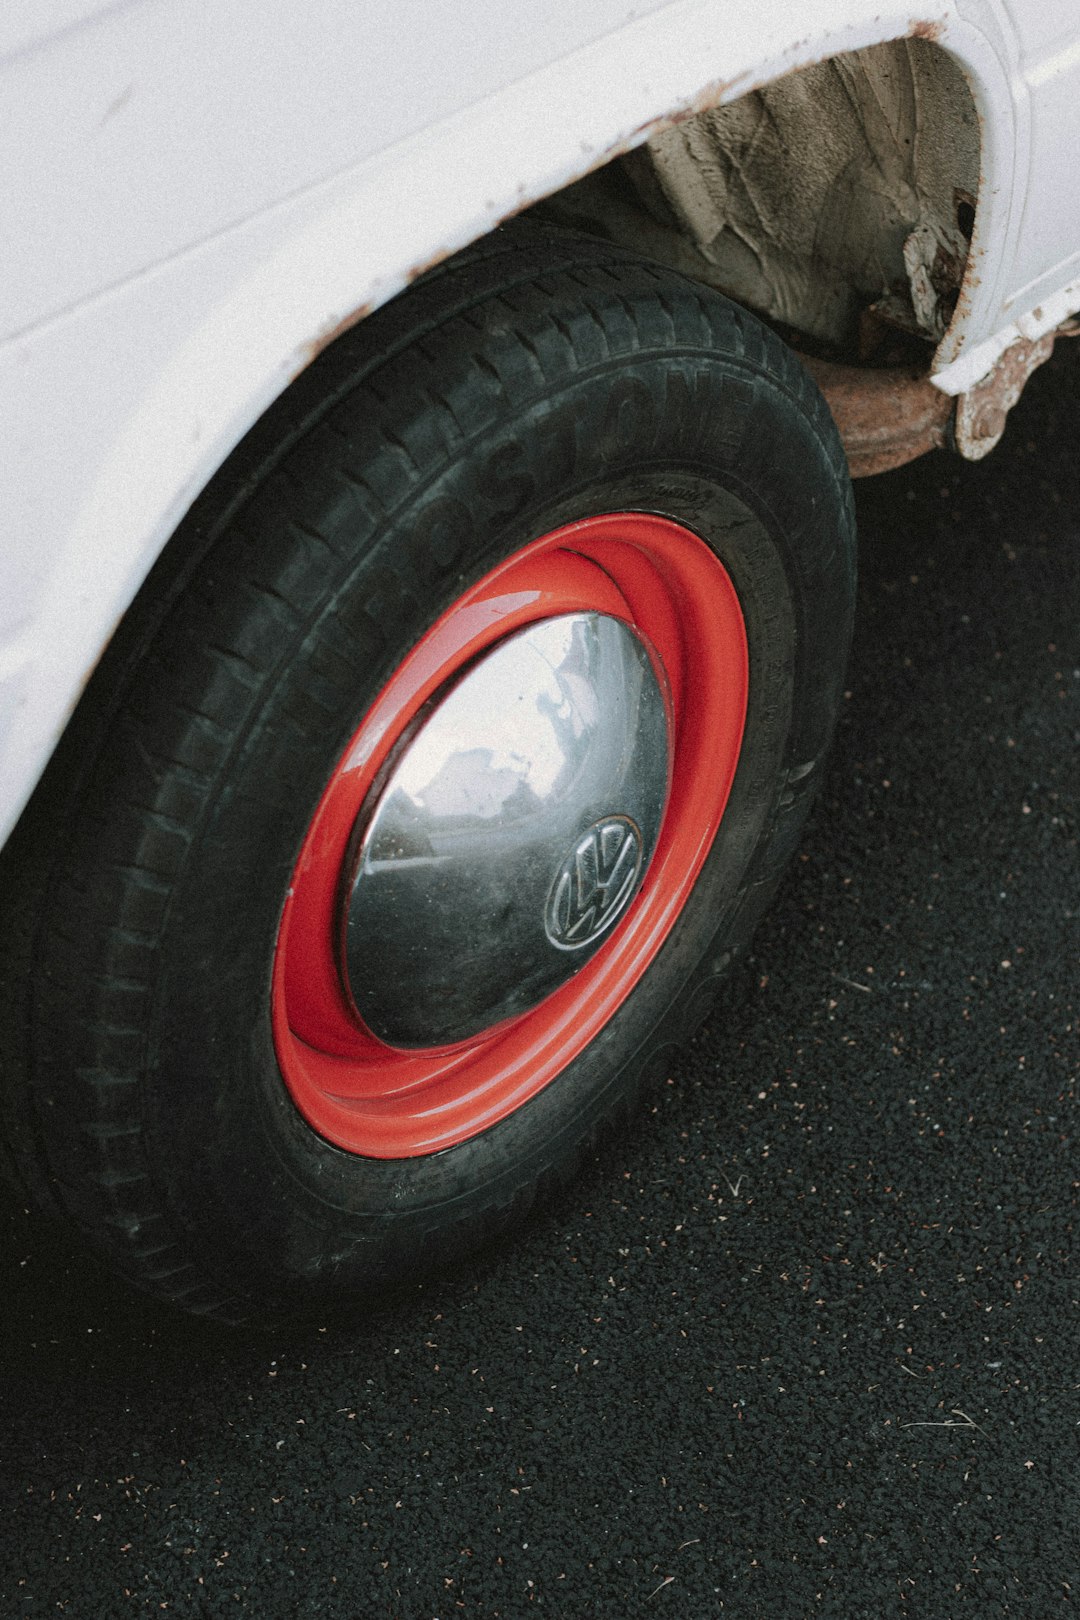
<point x="594" y="883"/>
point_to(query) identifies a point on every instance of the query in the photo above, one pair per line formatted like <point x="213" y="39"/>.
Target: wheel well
<point x="838" y="201"/>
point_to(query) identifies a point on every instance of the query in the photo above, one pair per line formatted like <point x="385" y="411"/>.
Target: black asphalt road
<point x="807" y="1342"/>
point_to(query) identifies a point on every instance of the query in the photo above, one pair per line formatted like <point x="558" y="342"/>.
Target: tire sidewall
<point x="741" y="465"/>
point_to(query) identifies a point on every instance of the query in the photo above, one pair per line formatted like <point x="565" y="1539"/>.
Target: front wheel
<point x="431" y="804"/>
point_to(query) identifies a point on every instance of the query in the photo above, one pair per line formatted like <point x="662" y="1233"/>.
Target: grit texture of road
<point x="808" y="1341"/>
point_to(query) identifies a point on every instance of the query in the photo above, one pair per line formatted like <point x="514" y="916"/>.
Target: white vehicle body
<point x="197" y="197"/>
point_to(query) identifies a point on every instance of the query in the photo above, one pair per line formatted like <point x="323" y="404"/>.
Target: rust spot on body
<point x="326" y="335"/>
<point x="926" y="30"/>
<point x="982" y="411"/>
<point x="421" y="269"/>
<point x="710" y="96"/>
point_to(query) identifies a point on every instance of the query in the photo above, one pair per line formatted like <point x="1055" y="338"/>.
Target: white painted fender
<point x="123" y="390"/>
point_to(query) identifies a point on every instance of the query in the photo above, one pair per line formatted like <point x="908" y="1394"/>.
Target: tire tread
<point x="535" y="310"/>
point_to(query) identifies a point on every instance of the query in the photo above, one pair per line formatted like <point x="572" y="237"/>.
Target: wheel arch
<point x="275" y="291"/>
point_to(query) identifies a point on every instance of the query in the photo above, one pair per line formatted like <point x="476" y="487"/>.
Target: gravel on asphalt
<point x="806" y="1341"/>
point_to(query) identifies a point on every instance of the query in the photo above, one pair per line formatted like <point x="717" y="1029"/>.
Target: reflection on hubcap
<point x="511" y="835"/>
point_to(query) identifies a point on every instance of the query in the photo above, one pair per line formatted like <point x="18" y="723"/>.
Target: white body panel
<point x="195" y="195"/>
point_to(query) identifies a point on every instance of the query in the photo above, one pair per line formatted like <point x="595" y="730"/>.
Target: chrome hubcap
<point x="511" y="835"/>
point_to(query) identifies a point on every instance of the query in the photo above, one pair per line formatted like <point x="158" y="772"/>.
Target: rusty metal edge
<point x="885" y="417"/>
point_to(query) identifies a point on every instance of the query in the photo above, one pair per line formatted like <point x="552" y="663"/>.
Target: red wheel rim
<point x="384" y="1102"/>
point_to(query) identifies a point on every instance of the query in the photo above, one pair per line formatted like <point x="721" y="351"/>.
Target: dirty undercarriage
<point x="839" y="203"/>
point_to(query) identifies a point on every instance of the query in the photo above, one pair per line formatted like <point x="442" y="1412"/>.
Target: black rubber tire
<point x="144" y="1097"/>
